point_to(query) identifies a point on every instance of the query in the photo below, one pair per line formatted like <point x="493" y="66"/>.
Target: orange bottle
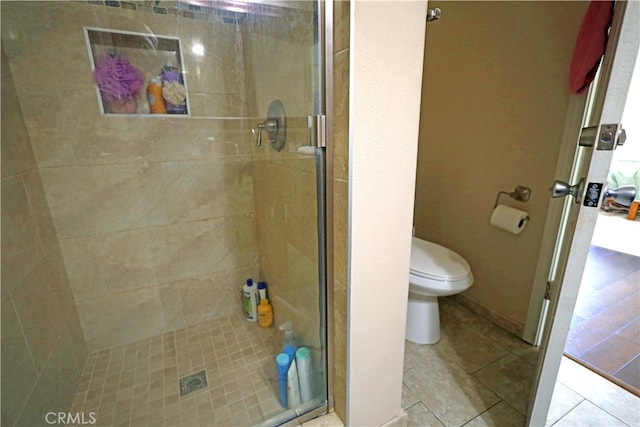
<point x="154" y="96"/>
<point x="265" y="311"/>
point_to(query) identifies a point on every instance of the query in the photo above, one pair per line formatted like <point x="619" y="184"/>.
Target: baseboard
<point x="400" y="421"/>
<point x="505" y="323"/>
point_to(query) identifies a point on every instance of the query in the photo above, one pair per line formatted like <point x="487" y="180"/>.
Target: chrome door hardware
<point x="562" y="189"/>
<point x="275" y="125"/>
<point x="610" y="137"/>
<point x="433" y="14"/>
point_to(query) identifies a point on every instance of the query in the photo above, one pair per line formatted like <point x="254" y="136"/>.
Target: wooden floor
<point x="605" y="330"/>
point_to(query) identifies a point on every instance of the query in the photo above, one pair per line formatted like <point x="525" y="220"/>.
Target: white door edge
<point x="546" y="256"/>
<point x="617" y="70"/>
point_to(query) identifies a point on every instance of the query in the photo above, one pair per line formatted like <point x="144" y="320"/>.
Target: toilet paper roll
<point x="509" y="219"/>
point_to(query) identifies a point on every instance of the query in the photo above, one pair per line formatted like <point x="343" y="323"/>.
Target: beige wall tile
<point x="197" y="248"/>
<point x="18" y="371"/>
<point x="282" y="66"/>
<point x="171" y="140"/>
<point x="121" y="318"/>
<point x="197" y="190"/>
<point x="340" y="330"/>
<point x="132" y="259"/>
<point x="42" y="115"/>
<point x="40" y="313"/>
<point x="40" y="209"/>
<point x="208" y="297"/>
<point x="81" y="258"/>
<point x="340" y="230"/>
<point x="21" y="247"/>
<point x="37" y="302"/>
<point x="58" y="283"/>
<point x="341" y="115"/>
<point x="55" y="389"/>
<point x="77" y="345"/>
<point x="107" y="198"/>
<point x="340" y="201"/>
<point x="341" y="25"/>
<point x="17" y="156"/>
<point x="172" y="306"/>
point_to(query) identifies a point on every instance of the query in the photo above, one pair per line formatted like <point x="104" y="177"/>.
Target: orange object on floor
<point x="633" y="210"/>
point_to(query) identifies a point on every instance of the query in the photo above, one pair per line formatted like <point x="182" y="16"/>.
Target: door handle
<point x="562" y="189"/>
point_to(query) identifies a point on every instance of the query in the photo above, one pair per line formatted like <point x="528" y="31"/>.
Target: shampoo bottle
<point x="154" y="96"/>
<point x="293" y="384"/>
<point x="282" y="363"/>
<point x="305" y="373"/>
<point x="265" y="311"/>
<point x="289" y="339"/>
<point x="250" y="298"/>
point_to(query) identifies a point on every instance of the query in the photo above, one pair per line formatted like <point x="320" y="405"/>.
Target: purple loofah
<point x="117" y="79"/>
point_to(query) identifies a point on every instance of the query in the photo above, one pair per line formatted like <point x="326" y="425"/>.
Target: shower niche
<point x="137" y="73"/>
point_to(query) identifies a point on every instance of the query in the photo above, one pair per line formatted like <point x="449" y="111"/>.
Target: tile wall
<point x="156" y="217"/>
<point x="340" y="199"/>
<point x="43" y="349"/>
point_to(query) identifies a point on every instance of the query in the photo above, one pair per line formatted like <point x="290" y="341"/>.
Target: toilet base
<point x="423" y="319"/>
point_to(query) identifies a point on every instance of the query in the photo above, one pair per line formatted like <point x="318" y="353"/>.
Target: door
<point x="580" y="211"/>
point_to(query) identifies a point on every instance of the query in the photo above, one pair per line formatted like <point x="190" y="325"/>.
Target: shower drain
<point x="192" y="382"/>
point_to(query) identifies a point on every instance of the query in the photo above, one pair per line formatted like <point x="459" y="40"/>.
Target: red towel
<point x="590" y="46"/>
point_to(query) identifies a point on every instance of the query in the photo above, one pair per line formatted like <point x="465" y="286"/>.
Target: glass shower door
<point x="151" y="218"/>
<point x="289" y="197"/>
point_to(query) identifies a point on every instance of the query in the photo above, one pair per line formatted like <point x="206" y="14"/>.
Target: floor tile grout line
<point x="572" y="408"/>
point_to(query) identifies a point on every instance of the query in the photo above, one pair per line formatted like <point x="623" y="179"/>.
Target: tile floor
<point x="477" y="375"/>
<point x="480" y="375"/>
<point x="137" y="384"/>
<point x="605" y="330"/>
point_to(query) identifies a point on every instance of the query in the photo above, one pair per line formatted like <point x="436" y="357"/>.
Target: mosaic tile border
<point x="186" y="10"/>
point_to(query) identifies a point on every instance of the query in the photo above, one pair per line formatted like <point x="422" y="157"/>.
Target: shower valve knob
<point x="270" y="126"/>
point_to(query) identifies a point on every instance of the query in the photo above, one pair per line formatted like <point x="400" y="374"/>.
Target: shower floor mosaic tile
<point x="137" y="384"/>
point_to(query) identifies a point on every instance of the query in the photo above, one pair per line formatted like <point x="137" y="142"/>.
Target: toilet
<point x="435" y="272"/>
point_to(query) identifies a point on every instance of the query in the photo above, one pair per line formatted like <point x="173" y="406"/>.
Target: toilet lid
<point x="437" y="262"/>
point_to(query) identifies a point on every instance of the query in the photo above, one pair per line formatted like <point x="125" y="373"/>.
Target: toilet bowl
<point x="435" y="272"/>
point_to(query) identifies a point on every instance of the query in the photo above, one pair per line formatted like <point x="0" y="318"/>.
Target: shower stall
<point x="128" y="232"/>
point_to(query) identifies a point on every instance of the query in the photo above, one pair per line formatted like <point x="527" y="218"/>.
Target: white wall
<point x="387" y="42"/>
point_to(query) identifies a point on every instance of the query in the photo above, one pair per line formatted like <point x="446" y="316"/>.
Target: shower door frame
<point x="324" y="177"/>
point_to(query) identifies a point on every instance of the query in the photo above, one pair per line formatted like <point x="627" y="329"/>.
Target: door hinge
<point x="317" y="128"/>
<point x="547" y="291"/>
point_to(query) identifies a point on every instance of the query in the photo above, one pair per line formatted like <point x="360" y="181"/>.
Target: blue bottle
<point x="282" y="361"/>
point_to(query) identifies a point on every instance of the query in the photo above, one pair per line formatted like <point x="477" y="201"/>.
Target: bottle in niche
<point x="154" y="96"/>
<point x="173" y="90"/>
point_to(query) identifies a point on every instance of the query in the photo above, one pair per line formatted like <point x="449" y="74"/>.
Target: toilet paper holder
<point x="520" y="193"/>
